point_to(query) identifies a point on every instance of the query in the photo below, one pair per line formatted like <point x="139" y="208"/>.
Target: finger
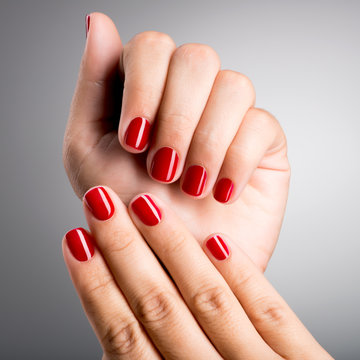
<point x="145" y="61"/>
<point x="192" y="71"/>
<point x="267" y="310"/>
<point x="259" y="143"/>
<point x="150" y="293"/>
<point x="202" y="287"/>
<point x="231" y="96"/>
<point x="93" y="107"/>
<point x="114" y="323"/>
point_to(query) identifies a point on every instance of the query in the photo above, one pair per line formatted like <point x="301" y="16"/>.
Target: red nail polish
<point x="223" y="190"/>
<point x="194" y="181"/>
<point x="147" y="211"/>
<point x="164" y="164"/>
<point x="87" y="24"/>
<point x="137" y="133"/>
<point x="80" y="244"/>
<point x="217" y="247"/>
<point x="99" y="202"/>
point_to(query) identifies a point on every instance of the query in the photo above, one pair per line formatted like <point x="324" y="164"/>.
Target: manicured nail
<point x="194" y="181"/>
<point x="223" y="190"/>
<point x="218" y="247"/>
<point x="164" y="164"/>
<point x="80" y="244"/>
<point x="87" y="24"/>
<point x="146" y="210"/>
<point x="99" y="203"/>
<point x="137" y="133"/>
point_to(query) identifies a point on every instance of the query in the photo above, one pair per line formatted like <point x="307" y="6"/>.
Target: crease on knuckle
<point x="211" y="300"/>
<point x="118" y="241"/>
<point x="97" y="286"/>
<point x="207" y="144"/>
<point x="173" y="242"/>
<point x="121" y="338"/>
<point x="268" y="310"/>
<point x="155" y="307"/>
<point x="201" y="54"/>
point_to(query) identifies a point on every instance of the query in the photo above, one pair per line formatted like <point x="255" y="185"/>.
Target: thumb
<point x="94" y="103"/>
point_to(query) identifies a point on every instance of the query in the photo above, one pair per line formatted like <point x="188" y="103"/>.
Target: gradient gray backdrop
<point x="303" y="57"/>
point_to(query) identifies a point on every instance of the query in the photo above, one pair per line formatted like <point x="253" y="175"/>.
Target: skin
<point x="207" y="114"/>
<point x="228" y="306"/>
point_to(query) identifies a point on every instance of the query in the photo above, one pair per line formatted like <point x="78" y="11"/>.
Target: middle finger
<point x="192" y="71"/>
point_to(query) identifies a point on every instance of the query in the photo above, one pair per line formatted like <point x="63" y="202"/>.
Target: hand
<point x="204" y="117"/>
<point x="149" y="289"/>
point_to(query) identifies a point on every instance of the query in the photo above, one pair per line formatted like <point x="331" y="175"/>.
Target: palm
<point x="253" y="221"/>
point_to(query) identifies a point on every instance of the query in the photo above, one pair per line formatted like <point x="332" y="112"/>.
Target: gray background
<point x="303" y="58"/>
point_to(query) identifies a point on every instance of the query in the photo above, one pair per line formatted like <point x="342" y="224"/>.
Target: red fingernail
<point x="223" y="190"/>
<point x="137" y="133"/>
<point x="87" y="24"/>
<point x="147" y="211"/>
<point x="164" y="164"/>
<point x="218" y="247"/>
<point x="195" y="179"/>
<point x="99" y="202"/>
<point x="80" y="244"/>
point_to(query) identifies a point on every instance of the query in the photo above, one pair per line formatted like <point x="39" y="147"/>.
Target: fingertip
<point x="146" y="208"/>
<point x="136" y="136"/>
<point x="217" y="247"/>
<point x="223" y="191"/>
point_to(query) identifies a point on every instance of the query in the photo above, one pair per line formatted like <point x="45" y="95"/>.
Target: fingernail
<point x="218" y="247"/>
<point x="137" y="133"/>
<point x="80" y="244"/>
<point x="146" y="210"/>
<point x="99" y="203"/>
<point x="194" y="181"/>
<point x="87" y="24"/>
<point x="223" y="190"/>
<point x="164" y="164"/>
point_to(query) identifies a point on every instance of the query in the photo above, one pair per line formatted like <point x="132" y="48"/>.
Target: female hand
<point x="206" y="133"/>
<point x="150" y="291"/>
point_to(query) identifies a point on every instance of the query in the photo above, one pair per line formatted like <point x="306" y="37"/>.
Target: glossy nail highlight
<point x="99" y="203"/>
<point x="164" y="164"/>
<point x="87" y="24"/>
<point x="194" y="181"/>
<point x="137" y="133"/>
<point x="80" y="244"/>
<point x="218" y="247"/>
<point x="223" y="190"/>
<point x="146" y="210"/>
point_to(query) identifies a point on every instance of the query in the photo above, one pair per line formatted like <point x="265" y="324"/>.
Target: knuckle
<point x="198" y="53"/>
<point x="207" y="144"/>
<point x="121" y="338"/>
<point x="96" y="287"/>
<point x="268" y="310"/>
<point x="236" y="80"/>
<point x="174" y="242"/>
<point x="117" y="241"/>
<point x="262" y="118"/>
<point x="176" y="127"/>
<point x="211" y="300"/>
<point x="155" y="307"/>
<point x="153" y="37"/>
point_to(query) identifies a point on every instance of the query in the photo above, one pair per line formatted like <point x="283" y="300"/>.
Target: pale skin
<point x="201" y="308"/>
<point x="205" y="113"/>
<point x="208" y="116"/>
